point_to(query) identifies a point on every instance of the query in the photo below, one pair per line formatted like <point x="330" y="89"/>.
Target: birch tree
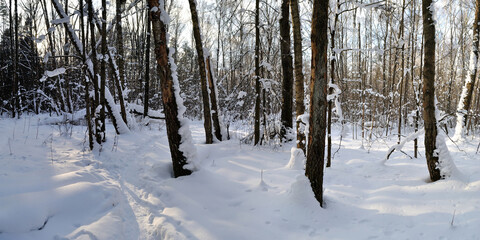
<point x="464" y="104"/>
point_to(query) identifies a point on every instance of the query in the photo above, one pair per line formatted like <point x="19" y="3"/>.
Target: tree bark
<point x="94" y="78"/>
<point x="87" y="82"/>
<point x="318" y="99"/>
<point x="402" y="69"/>
<point x="120" y="80"/>
<point x="203" y="77"/>
<point x="213" y="98"/>
<point x="16" y="100"/>
<point x="147" y="69"/>
<point x="287" y="67"/>
<point x="168" y="88"/>
<point x="429" y="91"/>
<point x="103" y="69"/>
<point x="299" y="78"/>
<point x="257" y="73"/>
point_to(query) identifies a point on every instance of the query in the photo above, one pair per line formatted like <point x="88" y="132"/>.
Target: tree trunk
<point x="287" y="87"/>
<point x="94" y="78"/>
<point x="203" y="77"/>
<point x="103" y="69"/>
<point x="412" y="72"/>
<point x="213" y="98"/>
<point x="299" y="78"/>
<point x="257" y="73"/>
<point x="87" y="82"/>
<point x="400" y="99"/>
<point x="170" y="88"/>
<point x="90" y="62"/>
<point x="120" y="80"/>
<point x="467" y="91"/>
<point x="15" y="97"/>
<point x="330" y="91"/>
<point x="147" y="69"/>
<point x="318" y="99"/>
<point x="429" y="91"/>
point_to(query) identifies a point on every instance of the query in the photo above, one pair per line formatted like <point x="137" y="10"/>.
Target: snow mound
<point x="301" y="194"/>
<point x="33" y="210"/>
<point x="446" y="165"/>
<point x="297" y="159"/>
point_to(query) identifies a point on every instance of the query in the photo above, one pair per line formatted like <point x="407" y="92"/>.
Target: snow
<point x="297" y="159"/>
<point x="461" y="111"/>
<point x="55" y="72"/>
<point x="122" y="126"/>
<point x="241" y="94"/>
<point x="126" y="191"/>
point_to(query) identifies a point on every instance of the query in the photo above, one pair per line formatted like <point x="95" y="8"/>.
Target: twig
<point x="340" y="143"/>
<point x="10" y="146"/>
<point x="453" y="217"/>
<point x="456" y="145"/>
<point x="38" y="125"/>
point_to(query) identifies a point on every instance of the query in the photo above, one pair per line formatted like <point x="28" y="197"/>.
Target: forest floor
<point x="52" y="187"/>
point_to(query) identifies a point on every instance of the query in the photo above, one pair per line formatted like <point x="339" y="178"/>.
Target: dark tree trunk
<point x="103" y="69"/>
<point x="203" y="77"/>
<point x="299" y="89"/>
<point x="88" y="103"/>
<point x="168" y="90"/>
<point x="213" y="98"/>
<point x="402" y="68"/>
<point x="15" y="97"/>
<point x="287" y="87"/>
<point x="429" y="91"/>
<point x="94" y="78"/>
<point x="147" y="68"/>
<point x="120" y="80"/>
<point x="257" y="73"/>
<point x="318" y="99"/>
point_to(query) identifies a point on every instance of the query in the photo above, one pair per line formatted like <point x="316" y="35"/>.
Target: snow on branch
<point x="398" y="147"/>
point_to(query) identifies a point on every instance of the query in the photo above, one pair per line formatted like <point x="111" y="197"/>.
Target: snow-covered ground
<point x="51" y="187"/>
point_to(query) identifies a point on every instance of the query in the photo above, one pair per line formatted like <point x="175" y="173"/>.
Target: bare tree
<point x="464" y="104"/>
<point x="169" y="88"/>
<point x="147" y="68"/>
<point x="318" y="99"/>
<point x="287" y="86"/>
<point x="16" y="100"/>
<point x="429" y="90"/>
<point x="299" y="79"/>
<point x="103" y="69"/>
<point x="203" y="71"/>
<point x="257" y="73"/>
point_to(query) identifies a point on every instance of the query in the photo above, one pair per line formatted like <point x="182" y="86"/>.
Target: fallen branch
<point x="399" y="146"/>
<point x="134" y="111"/>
